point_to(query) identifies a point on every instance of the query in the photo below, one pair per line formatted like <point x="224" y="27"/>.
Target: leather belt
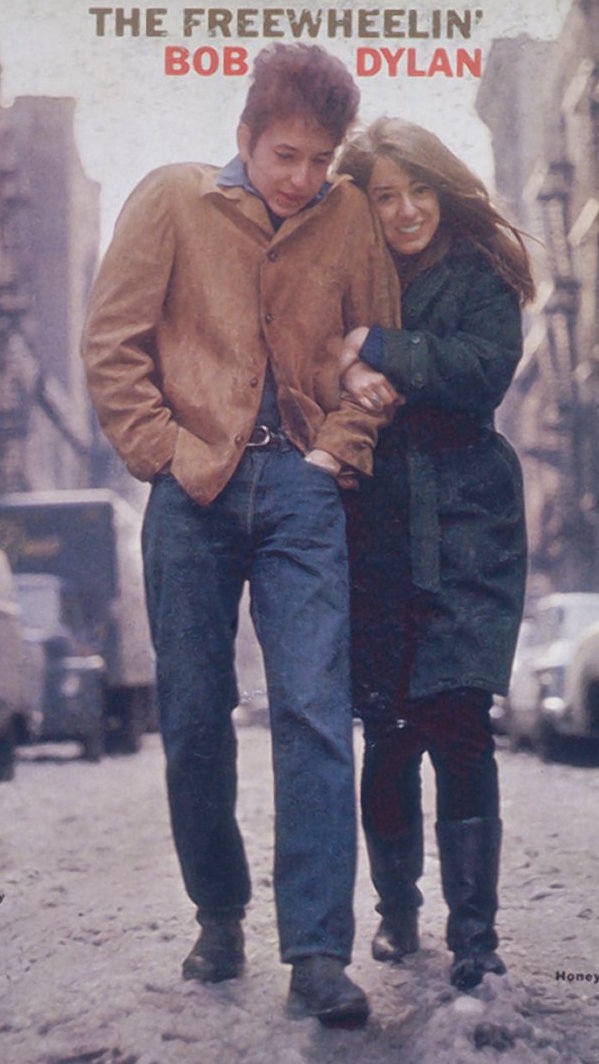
<point x="264" y="436"/>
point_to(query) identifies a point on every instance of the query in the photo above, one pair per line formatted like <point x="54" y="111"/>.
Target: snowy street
<point x="94" y="925"/>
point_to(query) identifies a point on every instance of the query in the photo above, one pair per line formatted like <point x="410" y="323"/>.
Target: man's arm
<point x="349" y="433"/>
<point x="119" y="340"/>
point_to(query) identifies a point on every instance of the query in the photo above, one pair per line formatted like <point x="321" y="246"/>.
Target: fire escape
<point x="561" y="360"/>
<point x="17" y="363"/>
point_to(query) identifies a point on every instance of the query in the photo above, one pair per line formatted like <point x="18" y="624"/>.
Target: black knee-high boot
<point x="396" y="866"/>
<point x="469" y="852"/>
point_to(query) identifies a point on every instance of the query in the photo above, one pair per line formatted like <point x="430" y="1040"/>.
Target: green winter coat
<point x="444" y="554"/>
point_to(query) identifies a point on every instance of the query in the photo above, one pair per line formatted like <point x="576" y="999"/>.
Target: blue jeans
<point x="279" y="523"/>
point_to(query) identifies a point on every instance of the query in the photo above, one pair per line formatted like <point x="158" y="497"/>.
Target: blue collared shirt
<point x="235" y="175"/>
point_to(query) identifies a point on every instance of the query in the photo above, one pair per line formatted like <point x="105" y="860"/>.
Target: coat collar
<point x="235" y="174"/>
<point x="424" y="289"/>
<point x="232" y="183"/>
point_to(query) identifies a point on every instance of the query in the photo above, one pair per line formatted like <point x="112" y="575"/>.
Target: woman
<point x="437" y="538"/>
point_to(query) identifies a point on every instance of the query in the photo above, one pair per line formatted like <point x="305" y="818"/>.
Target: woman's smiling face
<point x="407" y="206"/>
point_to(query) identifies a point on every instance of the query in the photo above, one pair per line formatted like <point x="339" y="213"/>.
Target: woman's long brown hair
<point x="466" y="208"/>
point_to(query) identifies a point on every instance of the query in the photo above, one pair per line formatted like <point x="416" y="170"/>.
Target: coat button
<point x="273" y="256"/>
<point x="268" y="318"/>
<point x="418" y="380"/>
<point x="254" y="382"/>
<point x="415" y="339"/>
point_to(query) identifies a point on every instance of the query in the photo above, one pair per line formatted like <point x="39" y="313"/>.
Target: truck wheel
<point x="127" y="716"/>
<point x="93" y="746"/>
<point x="134" y="723"/>
<point x="7" y="758"/>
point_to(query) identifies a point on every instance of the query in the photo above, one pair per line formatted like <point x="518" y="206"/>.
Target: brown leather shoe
<point x="319" y="987"/>
<point x="218" y="953"/>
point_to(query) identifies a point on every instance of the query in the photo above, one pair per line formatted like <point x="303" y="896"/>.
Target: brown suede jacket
<point x="196" y="291"/>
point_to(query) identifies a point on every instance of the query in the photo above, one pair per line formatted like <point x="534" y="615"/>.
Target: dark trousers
<point x="391" y="618"/>
<point x="280" y="525"/>
<point x="454" y="729"/>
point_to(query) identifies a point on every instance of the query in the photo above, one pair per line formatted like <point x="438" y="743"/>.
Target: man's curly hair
<point x="300" y="79"/>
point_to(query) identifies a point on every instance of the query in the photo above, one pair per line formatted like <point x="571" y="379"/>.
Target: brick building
<point x="541" y="103"/>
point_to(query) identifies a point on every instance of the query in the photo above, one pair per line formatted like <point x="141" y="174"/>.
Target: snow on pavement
<point x="94" y="925"/>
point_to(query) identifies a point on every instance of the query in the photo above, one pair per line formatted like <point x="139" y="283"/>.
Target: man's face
<point x="288" y="163"/>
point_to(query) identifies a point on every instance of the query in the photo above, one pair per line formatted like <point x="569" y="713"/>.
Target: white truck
<point x="76" y="560"/>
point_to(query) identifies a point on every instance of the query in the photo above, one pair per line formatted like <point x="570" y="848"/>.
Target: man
<point x="212" y="356"/>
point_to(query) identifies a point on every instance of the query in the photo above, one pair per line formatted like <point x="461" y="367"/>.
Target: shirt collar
<point x="235" y="175"/>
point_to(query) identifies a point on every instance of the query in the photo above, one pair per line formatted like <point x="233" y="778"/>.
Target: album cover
<point x="93" y="912"/>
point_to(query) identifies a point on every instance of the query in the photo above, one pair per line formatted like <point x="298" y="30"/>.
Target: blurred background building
<point x="49" y="225"/>
<point x="49" y="236"/>
<point x="541" y="103"/>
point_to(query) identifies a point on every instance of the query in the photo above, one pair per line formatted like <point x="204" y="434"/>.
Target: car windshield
<point x="40" y="604"/>
<point x="568" y="619"/>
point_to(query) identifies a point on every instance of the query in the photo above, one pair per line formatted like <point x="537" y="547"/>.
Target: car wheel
<point x="544" y="739"/>
<point x="7" y="758"/>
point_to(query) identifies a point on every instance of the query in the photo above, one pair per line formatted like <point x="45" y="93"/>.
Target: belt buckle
<point x="264" y="439"/>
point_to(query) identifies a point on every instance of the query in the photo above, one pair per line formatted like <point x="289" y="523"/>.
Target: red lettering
<point x="392" y="59"/>
<point x="413" y="71"/>
<point x="371" y="61"/>
<point x="235" y="62"/>
<point x="440" y="64"/>
<point x="368" y="62"/>
<point x="206" y="61"/>
<point x="211" y="56"/>
<point x="473" y="63"/>
<point x="176" y="60"/>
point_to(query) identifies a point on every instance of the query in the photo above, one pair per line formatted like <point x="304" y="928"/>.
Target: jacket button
<point x="254" y="382"/>
<point x="273" y="256"/>
<point x="268" y="318"/>
<point x="418" y="380"/>
<point x="415" y="339"/>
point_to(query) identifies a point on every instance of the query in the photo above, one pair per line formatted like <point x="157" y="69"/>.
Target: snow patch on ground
<point x="94" y="926"/>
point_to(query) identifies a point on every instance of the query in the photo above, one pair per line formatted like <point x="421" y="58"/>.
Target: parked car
<point x="554" y="688"/>
<point x="66" y="698"/>
<point x="13" y="705"/>
<point x="76" y="557"/>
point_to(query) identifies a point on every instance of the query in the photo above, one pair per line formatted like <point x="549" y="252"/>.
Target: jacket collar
<point x="424" y="289"/>
<point x="233" y="182"/>
<point x="235" y="175"/>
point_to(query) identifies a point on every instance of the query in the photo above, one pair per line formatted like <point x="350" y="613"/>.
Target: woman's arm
<point x="367" y="386"/>
<point x="466" y="370"/>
